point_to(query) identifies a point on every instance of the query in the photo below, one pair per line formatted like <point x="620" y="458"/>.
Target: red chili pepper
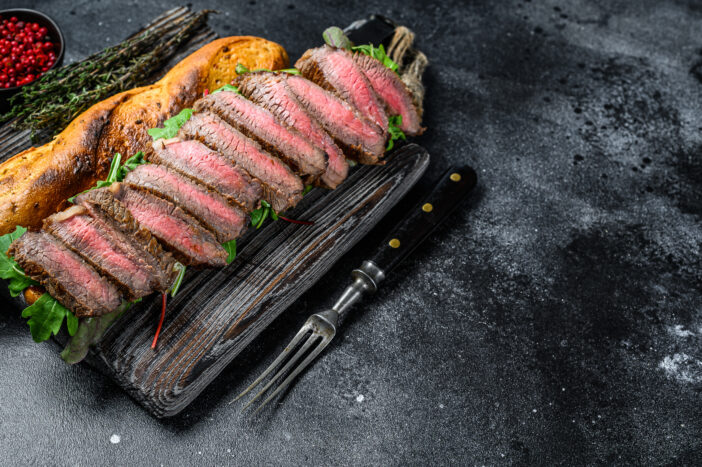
<point x="160" y="322"/>
<point x="294" y="221"/>
<point x="207" y="91"/>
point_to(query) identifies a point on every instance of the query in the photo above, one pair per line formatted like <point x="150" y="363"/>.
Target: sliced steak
<point x="335" y="70"/>
<point x="259" y="124"/>
<point x="64" y="275"/>
<point x="213" y="211"/>
<point x="190" y="243"/>
<point x="281" y="187"/>
<point x="115" y="218"/>
<point x="392" y="91"/>
<point x="195" y="160"/>
<point x="269" y="91"/>
<point x="107" y="253"/>
<point x="357" y="135"/>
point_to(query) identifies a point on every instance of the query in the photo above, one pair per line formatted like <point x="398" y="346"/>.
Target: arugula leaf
<point x="130" y="164"/>
<point x="378" y="53"/>
<point x="227" y="87"/>
<point x="261" y="214"/>
<point x="241" y="69"/>
<point x="9" y="269"/>
<point x="230" y="246"/>
<point x="307" y="189"/>
<point x="179" y="278"/>
<point x="88" y="332"/>
<point x="335" y="37"/>
<point x="46" y="316"/>
<point x="394" y="123"/>
<point x="171" y="126"/>
<point x="117" y="172"/>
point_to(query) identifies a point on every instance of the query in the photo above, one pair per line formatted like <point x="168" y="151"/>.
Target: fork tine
<point x="296" y="372"/>
<point x="287" y="366"/>
<point x="293" y="343"/>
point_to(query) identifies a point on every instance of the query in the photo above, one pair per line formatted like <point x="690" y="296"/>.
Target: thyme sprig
<point x="51" y="102"/>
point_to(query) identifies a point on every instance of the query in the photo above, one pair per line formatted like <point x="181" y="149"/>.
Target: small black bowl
<point x="53" y="31"/>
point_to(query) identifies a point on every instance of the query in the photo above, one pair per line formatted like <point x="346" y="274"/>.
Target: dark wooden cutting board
<point x="218" y="312"/>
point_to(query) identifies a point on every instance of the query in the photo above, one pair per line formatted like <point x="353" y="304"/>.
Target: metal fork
<point x="320" y="328"/>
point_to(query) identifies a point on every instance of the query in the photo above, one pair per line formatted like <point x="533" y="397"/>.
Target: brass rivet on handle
<point x="427" y="207"/>
<point x="394" y="243"/>
<point x="455" y="177"/>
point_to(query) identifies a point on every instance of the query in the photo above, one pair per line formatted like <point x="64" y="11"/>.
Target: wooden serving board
<point x="218" y="312"/>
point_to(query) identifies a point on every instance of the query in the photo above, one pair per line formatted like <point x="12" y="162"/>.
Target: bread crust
<point x="37" y="182"/>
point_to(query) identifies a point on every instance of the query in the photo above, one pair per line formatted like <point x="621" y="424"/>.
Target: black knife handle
<point x="420" y="221"/>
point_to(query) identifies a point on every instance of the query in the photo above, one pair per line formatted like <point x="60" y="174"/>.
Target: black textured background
<point x="555" y="319"/>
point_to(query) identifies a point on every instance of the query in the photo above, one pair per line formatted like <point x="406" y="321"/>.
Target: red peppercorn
<point x="26" y="52"/>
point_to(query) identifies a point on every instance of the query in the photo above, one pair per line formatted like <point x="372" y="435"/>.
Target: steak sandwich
<point x="242" y="149"/>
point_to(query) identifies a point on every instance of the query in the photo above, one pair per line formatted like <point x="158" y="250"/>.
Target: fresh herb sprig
<point x="9" y="269"/>
<point x="118" y="171"/>
<point x="394" y="131"/>
<point x="171" y="126"/>
<point x="258" y="216"/>
<point x="46" y="316"/>
<point x="61" y="94"/>
<point x="378" y="53"/>
<point x="227" y="87"/>
<point x="230" y="247"/>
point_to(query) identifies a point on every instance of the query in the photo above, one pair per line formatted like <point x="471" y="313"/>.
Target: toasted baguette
<point x="37" y="182"/>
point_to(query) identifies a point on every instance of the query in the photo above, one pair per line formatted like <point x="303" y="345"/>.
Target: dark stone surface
<point x="556" y="319"/>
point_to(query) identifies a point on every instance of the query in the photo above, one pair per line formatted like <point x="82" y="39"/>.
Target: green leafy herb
<point x="179" y="279"/>
<point x="378" y="53"/>
<point x="46" y="316"/>
<point x="230" y="246"/>
<point x="9" y="269"/>
<point x="258" y="216"/>
<point x="335" y="37"/>
<point x="241" y="69"/>
<point x="290" y="71"/>
<point x="117" y="172"/>
<point x="89" y="331"/>
<point x="394" y="123"/>
<point x="307" y="189"/>
<point x="130" y="164"/>
<point x="227" y="87"/>
<point x="171" y="126"/>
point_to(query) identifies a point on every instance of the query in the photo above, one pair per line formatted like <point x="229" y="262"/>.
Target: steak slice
<point x="115" y="217"/>
<point x="64" y="275"/>
<point x="392" y="91"/>
<point x="269" y="91"/>
<point x="107" y="253"/>
<point x="281" y="187"/>
<point x="357" y="135"/>
<point x="195" y="160"/>
<point x="179" y="232"/>
<point x="335" y="70"/>
<point x="213" y="211"/>
<point x="259" y="124"/>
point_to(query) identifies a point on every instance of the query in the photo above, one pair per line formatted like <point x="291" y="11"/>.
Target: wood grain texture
<point x="218" y="312"/>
